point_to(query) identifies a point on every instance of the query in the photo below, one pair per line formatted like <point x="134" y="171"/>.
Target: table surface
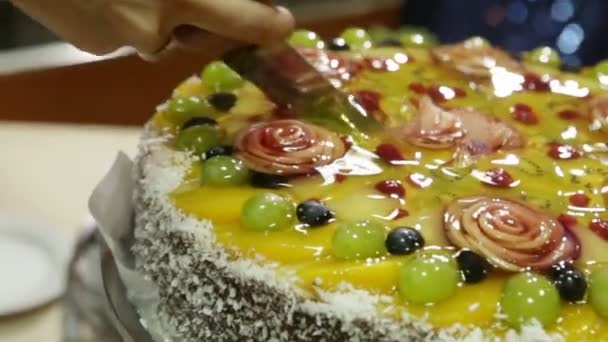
<point x="47" y="172"/>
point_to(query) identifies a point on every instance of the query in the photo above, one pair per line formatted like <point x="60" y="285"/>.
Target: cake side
<point x="204" y="295"/>
<point x="478" y="212"/>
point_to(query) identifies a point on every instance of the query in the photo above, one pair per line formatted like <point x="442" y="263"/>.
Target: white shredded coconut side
<point x="208" y="294"/>
<point x="533" y="332"/>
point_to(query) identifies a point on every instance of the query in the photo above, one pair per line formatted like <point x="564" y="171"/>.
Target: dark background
<point x="578" y="29"/>
<point x="98" y="93"/>
<point x="18" y="30"/>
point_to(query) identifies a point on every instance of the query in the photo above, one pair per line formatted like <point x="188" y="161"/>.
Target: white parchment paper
<point x="111" y="204"/>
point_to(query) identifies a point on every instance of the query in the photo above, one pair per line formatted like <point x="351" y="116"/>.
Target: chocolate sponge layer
<point x="207" y="296"/>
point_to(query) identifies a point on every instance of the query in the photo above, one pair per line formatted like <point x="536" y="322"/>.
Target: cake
<point x="478" y="212"/>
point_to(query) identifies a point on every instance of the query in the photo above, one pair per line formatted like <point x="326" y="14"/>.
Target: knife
<point x="287" y="78"/>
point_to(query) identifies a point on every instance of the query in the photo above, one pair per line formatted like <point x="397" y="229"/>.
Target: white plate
<point x="33" y="265"/>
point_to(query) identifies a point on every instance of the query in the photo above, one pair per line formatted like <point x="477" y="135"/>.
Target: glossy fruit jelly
<point x="598" y="291"/>
<point x="404" y="240"/>
<point x="527" y="296"/>
<point x="266" y="212"/>
<point x="358" y="240"/>
<point x="314" y="213"/>
<point x="186" y="107"/>
<point x="429" y="277"/>
<point x="544" y="176"/>
<point x="305" y="38"/>
<point x="219" y="77"/>
<point x="198" y="139"/>
<point x="357" y="38"/>
<point x="224" y="171"/>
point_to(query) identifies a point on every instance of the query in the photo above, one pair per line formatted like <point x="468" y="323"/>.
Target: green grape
<point x="380" y="33"/>
<point x="219" y="77"/>
<point x="543" y="55"/>
<point x="198" y="139"/>
<point x="477" y="41"/>
<point x="304" y="38"/>
<point x="185" y="108"/>
<point x="528" y="296"/>
<point x="417" y="37"/>
<point x="428" y="277"/>
<point x="357" y="38"/>
<point x="267" y="211"/>
<point x="224" y="171"/>
<point x="601" y="68"/>
<point x="598" y="291"/>
<point x="358" y="240"/>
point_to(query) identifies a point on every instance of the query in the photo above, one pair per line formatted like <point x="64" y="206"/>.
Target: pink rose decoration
<point x="597" y="111"/>
<point x="475" y="59"/>
<point x="512" y="235"/>
<point x="438" y="128"/>
<point x="288" y="147"/>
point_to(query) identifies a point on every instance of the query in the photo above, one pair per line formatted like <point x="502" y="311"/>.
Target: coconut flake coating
<point x="206" y="296"/>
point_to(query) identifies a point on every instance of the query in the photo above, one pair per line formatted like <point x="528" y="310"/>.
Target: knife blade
<point x="286" y="77"/>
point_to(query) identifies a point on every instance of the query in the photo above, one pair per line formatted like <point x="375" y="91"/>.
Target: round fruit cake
<point x="477" y="213"/>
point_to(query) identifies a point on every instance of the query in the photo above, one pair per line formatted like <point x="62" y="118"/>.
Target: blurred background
<point x="64" y="113"/>
<point x="17" y="30"/>
<point x="575" y="28"/>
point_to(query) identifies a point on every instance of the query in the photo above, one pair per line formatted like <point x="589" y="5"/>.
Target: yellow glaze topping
<point x="522" y="134"/>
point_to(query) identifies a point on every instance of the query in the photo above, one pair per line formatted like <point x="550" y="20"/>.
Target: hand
<point x="102" y="26"/>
